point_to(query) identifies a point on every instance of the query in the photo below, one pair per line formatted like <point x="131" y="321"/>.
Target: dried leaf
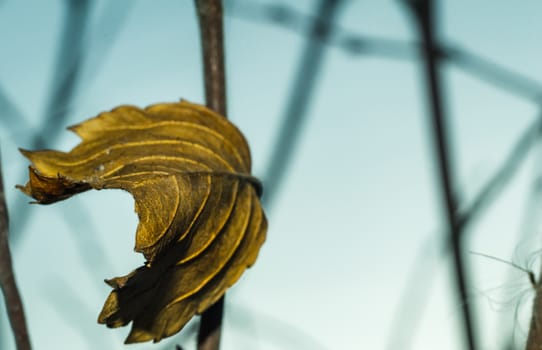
<point x="200" y="219"/>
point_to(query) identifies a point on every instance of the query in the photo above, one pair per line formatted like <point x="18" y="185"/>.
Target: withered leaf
<point x="200" y="219"/>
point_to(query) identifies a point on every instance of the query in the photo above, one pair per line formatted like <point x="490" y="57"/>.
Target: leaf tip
<point x="138" y="336"/>
<point x="73" y="128"/>
<point x="25" y="152"/>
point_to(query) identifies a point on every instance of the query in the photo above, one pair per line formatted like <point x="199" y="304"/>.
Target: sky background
<point x="358" y="209"/>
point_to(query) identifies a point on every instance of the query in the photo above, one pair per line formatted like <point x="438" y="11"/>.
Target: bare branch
<point x="423" y="12"/>
<point x="211" y="30"/>
<point x="12" y="297"/>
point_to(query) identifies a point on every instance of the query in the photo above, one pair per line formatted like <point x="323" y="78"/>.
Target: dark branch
<point x="12" y="297"/>
<point x="211" y="30"/>
<point x="210" y="326"/>
<point x="423" y="12"/>
<point x="502" y="176"/>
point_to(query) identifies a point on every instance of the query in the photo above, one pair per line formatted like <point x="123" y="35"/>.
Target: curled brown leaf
<point x="201" y="223"/>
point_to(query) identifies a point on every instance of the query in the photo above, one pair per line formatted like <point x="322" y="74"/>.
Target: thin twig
<point x="211" y="30"/>
<point x="12" y="297"/>
<point x="302" y="91"/>
<point x="424" y="14"/>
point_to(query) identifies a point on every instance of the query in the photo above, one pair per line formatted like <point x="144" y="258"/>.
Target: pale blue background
<point x="359" y="203"/>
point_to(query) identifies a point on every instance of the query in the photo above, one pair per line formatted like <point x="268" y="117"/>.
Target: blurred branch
<point x="67" y="70"/>
<point x="65" y="78"/>
<point x="209" y="14"/>
<point x="12" y="117"/>
<point x="68" y="73"/>
<point x="412" y="301"/>
<point x="61" y="294"/>
<point x="424" y="15"/>
<point x="110" y="21"/>
<point x="300" y="97"/>
<point x="12" y="298"/>
<point x="278" y="332"/>
<point x="88" y="244"/>
<point x="102" y="37"/>
<point x="360" y="45"/>
<point x="212" y="42"/>
<point x="493" y="73"/>
<point x="274" y="13"/>
<point x="504" y="174"/>
<point x="108" y="25"/>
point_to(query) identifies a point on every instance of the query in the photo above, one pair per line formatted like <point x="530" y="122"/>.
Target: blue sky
<point x="360" y="201"/>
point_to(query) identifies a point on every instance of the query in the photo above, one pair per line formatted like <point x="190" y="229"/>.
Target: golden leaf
<point x="200" y="219"/>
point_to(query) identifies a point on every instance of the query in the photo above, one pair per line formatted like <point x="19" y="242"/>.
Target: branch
<point x="503" y="175"/>
<point x="362" y="45"/>
<point x="211" y="30"/>
<point x="423" y="12"/>
<point x="66" y="76"/>
<point x="300" y="98"/>
<point x="12" y="297"/>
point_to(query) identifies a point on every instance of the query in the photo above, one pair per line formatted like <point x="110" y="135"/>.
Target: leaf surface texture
<point x="201" y="223"/>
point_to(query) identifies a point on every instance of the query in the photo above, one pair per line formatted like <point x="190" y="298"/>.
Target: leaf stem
<point x="211" y="30"/>
<point x="12" y="297"/>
